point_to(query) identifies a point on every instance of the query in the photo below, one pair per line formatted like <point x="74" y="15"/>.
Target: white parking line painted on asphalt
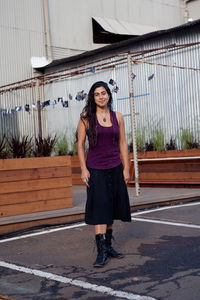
<point x="165" y="222"/>
<point x="78" y="283"/>
<point x="164" y="208"/>
<point x="83" y="224"/>
<point x="41" y="232"/>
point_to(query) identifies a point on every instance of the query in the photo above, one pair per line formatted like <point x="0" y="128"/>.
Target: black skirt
<point x="107" y="197"/>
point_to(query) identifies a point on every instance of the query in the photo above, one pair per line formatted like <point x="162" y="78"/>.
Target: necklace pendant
<point x="104" y="119"/>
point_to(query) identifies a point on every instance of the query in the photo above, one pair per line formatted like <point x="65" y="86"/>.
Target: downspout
<point x="47" y="31"/>
<point x="186" y="12"/>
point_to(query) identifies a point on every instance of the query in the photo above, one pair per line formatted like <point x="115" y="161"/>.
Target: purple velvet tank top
<point x="105" y="154"/>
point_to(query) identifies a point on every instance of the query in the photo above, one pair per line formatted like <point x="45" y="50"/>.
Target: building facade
<point x="54" y="29"/>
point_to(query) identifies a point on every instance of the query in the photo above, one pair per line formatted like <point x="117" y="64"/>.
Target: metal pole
<point x="132" y="112"/>
<point x="47" y="30"/>
<point x="38" y="108"/>
<point x="114" y="78"/>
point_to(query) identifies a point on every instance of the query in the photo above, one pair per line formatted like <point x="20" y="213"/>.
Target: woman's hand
<point x="126" y="175"/>
<point x="85" y="176"/>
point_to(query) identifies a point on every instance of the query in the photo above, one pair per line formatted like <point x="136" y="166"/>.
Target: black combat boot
<point x="101" y="251"/>
<point x="111" y="252"/>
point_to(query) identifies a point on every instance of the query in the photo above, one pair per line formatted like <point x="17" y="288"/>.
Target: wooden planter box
<point x="172" y="172"/>
<point x="31" y="185"/>
<point x="183" y="171"/>
<point x="76" y="171"/>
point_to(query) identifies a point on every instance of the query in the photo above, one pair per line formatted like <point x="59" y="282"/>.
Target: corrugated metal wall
<point x="21" y="36"/>
<point x="63" y="120"/>
<point x="166" y="96"/>
<point x="71" y="21"/>
<point x="22" y="28"/>
<point x="167" y="103"/>
<point x="18" y="110"/>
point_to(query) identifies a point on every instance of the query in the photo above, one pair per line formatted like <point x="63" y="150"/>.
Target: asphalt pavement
<point x="162" y="260"/>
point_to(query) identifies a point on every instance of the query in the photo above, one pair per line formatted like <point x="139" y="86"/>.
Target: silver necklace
<point x="104" y="117"/>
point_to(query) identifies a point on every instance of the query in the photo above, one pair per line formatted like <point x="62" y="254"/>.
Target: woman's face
<point x="101" y="97"/>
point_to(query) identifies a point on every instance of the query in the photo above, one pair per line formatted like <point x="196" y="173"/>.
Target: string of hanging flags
<point x="63" y="101"/>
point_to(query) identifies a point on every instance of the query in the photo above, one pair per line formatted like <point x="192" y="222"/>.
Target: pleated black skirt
<point x="107" y="197"/>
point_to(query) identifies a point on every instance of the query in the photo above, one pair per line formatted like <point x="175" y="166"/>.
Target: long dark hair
<point x="89" y="111"/>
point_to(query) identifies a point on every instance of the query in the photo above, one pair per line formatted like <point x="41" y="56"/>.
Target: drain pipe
<point x="47" y="31"/>
<point x="186" y="12"/>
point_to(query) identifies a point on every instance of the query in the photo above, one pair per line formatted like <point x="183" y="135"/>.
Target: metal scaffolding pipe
<point x="133" y="127"/>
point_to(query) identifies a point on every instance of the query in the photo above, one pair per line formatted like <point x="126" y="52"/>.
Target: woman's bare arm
<point x="123" y="146"/>
<point x="81" y="149"/>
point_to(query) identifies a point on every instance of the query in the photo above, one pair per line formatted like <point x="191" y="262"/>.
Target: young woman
<point x="106" y="169"/>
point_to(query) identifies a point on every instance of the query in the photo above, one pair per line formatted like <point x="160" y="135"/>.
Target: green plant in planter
<point x="149" y="146"/>
<point x="187" y="140"/>
<point x="140" y="141"/>
<point x="193" y="145"/>
<point x="61" y="147"/>
<point x="158" y="139"/>
<point x="74" y="144"/>
<point x="4" y="151"/>
<point x="20" y="147"/>
<point x="44" y="146"/>
<point x="74" y="150"/>
<point x="171" y="145"/>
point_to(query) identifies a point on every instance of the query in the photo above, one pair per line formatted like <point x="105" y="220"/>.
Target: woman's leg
<point x="100" y="229"/>
<point x="100" y="236"/>
<point x="110" y="250"/>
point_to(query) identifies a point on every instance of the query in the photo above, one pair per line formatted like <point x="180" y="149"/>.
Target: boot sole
<point x="98" y="266"/>
<point x="101" y="266"/>
<point x="119" y="257"/>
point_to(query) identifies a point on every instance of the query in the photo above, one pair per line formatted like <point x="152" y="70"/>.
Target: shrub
<point x="158" y="139"/>
<point x="61" y="147"/>
<point x="4" y="151"/>
<point x="44" y="146"/>
<point x="20" y="147"/>
<point x="140" y="141"/>
<point x="149" y="146"/>
<point x="171" y="145"/>
<point x="187" y="140"/>
<point x="74" y="150"/>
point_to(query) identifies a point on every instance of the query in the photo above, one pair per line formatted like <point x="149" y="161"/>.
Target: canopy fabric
<point x="121" y="27"/>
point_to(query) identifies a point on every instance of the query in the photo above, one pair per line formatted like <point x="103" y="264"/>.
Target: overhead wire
<point x="122" y="58"/>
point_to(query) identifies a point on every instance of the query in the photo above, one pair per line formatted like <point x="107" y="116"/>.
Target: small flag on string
<point x="65" y="104"/>
<point x="27" y="108"/>
<point x="133" y="76"/>
<point x="112" y="82"/>
<point x="45" y="103"/>
<point x="53" y="103"/>
<point x="92" y="69"/>
<point x="18" y="108"/>
<point x="151" y="77"/>
<point x="34" y="105"/>
<point x="115" y="89"/>
<point x="81" y="96"/>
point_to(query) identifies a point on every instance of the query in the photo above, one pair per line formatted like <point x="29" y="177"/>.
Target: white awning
<point x="121" y="27"/>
